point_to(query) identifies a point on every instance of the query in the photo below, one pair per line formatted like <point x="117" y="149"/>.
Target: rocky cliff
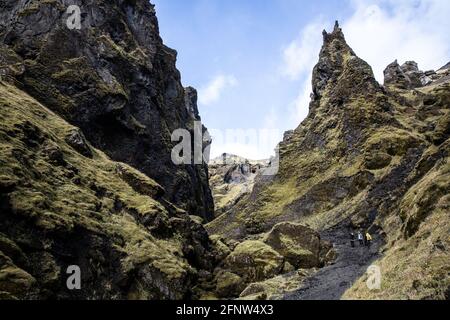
<point x="367" y="157"/>
<point x="86" y="176"/>
<point x="231" y="178"/>
<point x="113" y="78"/>
<point x="63" y="203"/>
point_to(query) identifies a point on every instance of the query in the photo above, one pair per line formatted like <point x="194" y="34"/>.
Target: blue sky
<point x="251" y="60"/>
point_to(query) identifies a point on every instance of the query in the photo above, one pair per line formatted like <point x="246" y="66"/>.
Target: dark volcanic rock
<point x="59" y="208"/>
<point x="407" y="76"/>
<point x="393" y="74"/>
<point x="115" y="79"/>
<point x="76" y="140"/>
<point x="336" y="57"/>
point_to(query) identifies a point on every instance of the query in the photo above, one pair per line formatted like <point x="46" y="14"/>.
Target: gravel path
<point x="330" y="282"/>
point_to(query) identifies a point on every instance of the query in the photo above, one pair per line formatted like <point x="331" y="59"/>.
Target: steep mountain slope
<point x="113" y="78"/>
<point x="63" y="203"/>
<point x="371" y="157"/>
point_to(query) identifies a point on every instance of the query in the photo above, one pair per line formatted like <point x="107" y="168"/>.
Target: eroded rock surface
<point x="59" y="208"/>
<point x="114" y="79"/>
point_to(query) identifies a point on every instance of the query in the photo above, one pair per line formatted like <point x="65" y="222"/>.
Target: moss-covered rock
<point x="229" y="284"/>
<point x="115" y="80"/>
<point x="139" y="181"/>
<point x="14" y="280"/>
<point x="60" y="208"/>
<point x="298" y="244"/>
<point x="254" y="261"/>
<point x="275" y="288"/>
<point x="222" y="250"/>
<point x="377" y="160"/>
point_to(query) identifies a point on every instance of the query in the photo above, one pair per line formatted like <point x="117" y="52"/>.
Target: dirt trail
<point x="330" y="282"/>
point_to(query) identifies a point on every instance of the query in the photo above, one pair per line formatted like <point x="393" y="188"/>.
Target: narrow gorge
<point x="87" y="177"/>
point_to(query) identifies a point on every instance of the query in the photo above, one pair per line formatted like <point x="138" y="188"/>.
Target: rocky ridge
<point x="63" y="202"/>
<point x="86" y="176"/>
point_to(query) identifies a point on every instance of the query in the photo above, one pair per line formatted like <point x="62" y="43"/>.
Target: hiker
<point x="360" y="238"/>
<point x="352" y="239"/>
<point x="368" y="239"/>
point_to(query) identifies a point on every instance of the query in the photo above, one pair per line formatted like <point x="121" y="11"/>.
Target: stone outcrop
<point x="254" y="261"/>
<point x="113" y="78"/>
<point x="407" y="76"/>
<point x="300" y="245"/>
<point x="275" y="288"/>
<point x="280" y="259"/>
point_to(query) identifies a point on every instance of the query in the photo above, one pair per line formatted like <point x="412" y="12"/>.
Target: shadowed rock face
<point x="127" y="218"/>
<point x="114" y="78"/>
<point x="338" y="62"/>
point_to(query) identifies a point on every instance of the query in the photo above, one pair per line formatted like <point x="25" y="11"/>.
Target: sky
<point x="251" y="60"/>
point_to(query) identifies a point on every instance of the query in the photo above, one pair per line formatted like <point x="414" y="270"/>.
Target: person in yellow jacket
<point x="368" y="239"/>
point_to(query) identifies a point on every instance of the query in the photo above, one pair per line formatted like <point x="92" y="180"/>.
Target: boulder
<point x="287" y="268"/>
<point x="229" y="284"/>
<point x="254" y="261"/>
<point x="75" y="138"/>
<point x="300" y="245"/>
<point x="222" y="250"/>
<point x="377" y="160"/>
<point x="275" y="288"/>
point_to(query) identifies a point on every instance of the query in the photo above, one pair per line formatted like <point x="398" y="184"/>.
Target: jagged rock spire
<point x="335" y="57"/>
<point x="336" y="33"/>
<point x="406" y="76"/>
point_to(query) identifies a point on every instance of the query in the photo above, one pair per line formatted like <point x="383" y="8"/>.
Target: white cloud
<point x="212" y="92"/>
<point x="381" y="31"/>
<point x="299" y="59"/>
<point x="302" y="53"/>
<point x="300" y="106"/>
<point x="250" y="143"/>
